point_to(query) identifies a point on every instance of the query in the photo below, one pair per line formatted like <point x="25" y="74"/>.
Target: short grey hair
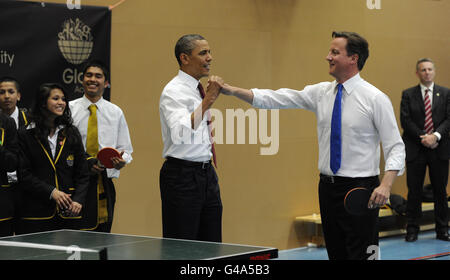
<point x="423" y="60"/>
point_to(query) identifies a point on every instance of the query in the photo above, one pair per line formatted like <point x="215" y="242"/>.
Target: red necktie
<point x="428" y="119"/>
<point x="213" y="150"/>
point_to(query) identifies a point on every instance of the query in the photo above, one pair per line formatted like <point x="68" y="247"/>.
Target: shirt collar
<point x="86" y="102"/>
<point x="188" y="79"/>
<point x="15" y="114"/>
<point x="351" y="83"/>
<point x="423" y="88"/>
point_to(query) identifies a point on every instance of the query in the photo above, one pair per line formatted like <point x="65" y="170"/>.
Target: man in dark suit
<point x="425" y="118"/>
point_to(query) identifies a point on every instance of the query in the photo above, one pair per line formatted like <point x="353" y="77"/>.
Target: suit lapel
<point x="59" y="147"/>
<point x="436" y="97"/>
<point x="419" y="99"/>
<point x="61" y="140"/>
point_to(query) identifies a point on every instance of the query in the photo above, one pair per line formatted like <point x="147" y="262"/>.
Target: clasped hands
<point x="64" y="201"/>
<point x="429" y="140"/>
<point x="216" y="85"/>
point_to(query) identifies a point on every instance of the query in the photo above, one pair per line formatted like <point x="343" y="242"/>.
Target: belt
<point x="202" y="164"/>
<point x="341" y="180"/>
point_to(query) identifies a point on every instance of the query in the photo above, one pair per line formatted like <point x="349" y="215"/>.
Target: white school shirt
<point x="52" y="140"/>
<point x="15" y="116"/>
<point x="179" y="98"/>
<point x="367" y="119"/>
<point x="112" y="127"/>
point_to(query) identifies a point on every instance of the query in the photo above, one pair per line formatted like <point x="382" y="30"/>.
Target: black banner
<point x="46" y="42"/>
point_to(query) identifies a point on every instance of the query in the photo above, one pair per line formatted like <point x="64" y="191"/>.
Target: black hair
<point x="186" y="45"/>
<point x="99" y="64"/>
<point x="40" y="114"/>
<point x="356" y="44"/>
<point x="12" y="80"/>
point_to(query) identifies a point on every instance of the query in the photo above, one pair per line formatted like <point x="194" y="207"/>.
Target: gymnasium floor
<point x="392" y="248"/>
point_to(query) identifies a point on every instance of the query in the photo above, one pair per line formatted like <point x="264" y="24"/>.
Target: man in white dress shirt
<point x="112" y="132"/>
<point x="367" y="119"/>
<point x="190" y="195"/>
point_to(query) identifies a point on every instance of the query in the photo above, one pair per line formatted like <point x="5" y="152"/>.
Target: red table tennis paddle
<point x="356" y="201"/>
<point x="105" y="156"/>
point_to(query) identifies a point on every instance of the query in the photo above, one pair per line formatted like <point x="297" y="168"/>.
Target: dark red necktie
<point x="428" y="118"/>
<point x="208" y="121"/>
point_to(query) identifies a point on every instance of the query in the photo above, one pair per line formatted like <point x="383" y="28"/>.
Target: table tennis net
<point x="13" y="250"/>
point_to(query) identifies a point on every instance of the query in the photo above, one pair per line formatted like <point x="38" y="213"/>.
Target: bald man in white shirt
<point x="367" y="119"/>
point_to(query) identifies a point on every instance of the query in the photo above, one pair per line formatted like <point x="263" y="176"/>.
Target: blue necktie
<point x="335" y="138"/>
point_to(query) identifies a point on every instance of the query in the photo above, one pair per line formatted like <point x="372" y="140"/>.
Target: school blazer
<point x="9" y="160"/>
<point x="39" y="173"/>
<point x="23" y="118"/>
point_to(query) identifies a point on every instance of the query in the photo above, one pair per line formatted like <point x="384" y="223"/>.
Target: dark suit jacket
<point x="40" y="173"/>
<point x="412" y="118"/>
<point x="9" y="160"/>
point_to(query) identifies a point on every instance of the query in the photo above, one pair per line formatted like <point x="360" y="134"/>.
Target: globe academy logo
<point x="75" y="43"/>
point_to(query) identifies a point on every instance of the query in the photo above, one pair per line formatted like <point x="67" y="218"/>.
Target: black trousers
<point x="415" y="176"/>
<point x="191" y="203"/>
<point x="347" y="237"/>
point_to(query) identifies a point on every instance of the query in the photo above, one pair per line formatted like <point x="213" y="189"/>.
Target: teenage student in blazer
<point x="53" y="174"/>
<point x="367" y="119"/>
<point x="111" y="130"/>
<point x="425" y="118"/>
<point x="9" y="97"/>
<point x="9" y="151"/>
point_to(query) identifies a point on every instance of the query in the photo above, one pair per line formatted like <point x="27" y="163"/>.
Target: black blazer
<point x="9" y="160"/>
<point x="412" y="118"/>
<point x="39" y="173"/>
<point x="23" y="118"/>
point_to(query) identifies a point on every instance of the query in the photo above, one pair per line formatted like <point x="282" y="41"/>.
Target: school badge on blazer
<point x="69" y="160"/>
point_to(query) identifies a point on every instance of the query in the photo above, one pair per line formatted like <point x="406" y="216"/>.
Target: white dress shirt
<point x="367" y="119"/>
<point x="52" y="141"/>
<point x="15" y="116"/>
<point x="112" y="127"/>
<point x="179" y="98"/>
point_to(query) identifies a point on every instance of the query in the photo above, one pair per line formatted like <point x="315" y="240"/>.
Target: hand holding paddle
<point x="379" y="197"/>
<point x="359" y="201"/>
<point x="119" y="162"/>
<point x="111" y="158"/>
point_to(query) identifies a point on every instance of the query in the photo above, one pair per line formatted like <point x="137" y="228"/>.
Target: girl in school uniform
<point x="53" y="169"/>
<point x="9" y="151"/>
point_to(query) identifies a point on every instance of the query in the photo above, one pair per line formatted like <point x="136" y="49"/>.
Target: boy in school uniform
<point x="9" y="97"/>
<point x="101" y="124"/>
